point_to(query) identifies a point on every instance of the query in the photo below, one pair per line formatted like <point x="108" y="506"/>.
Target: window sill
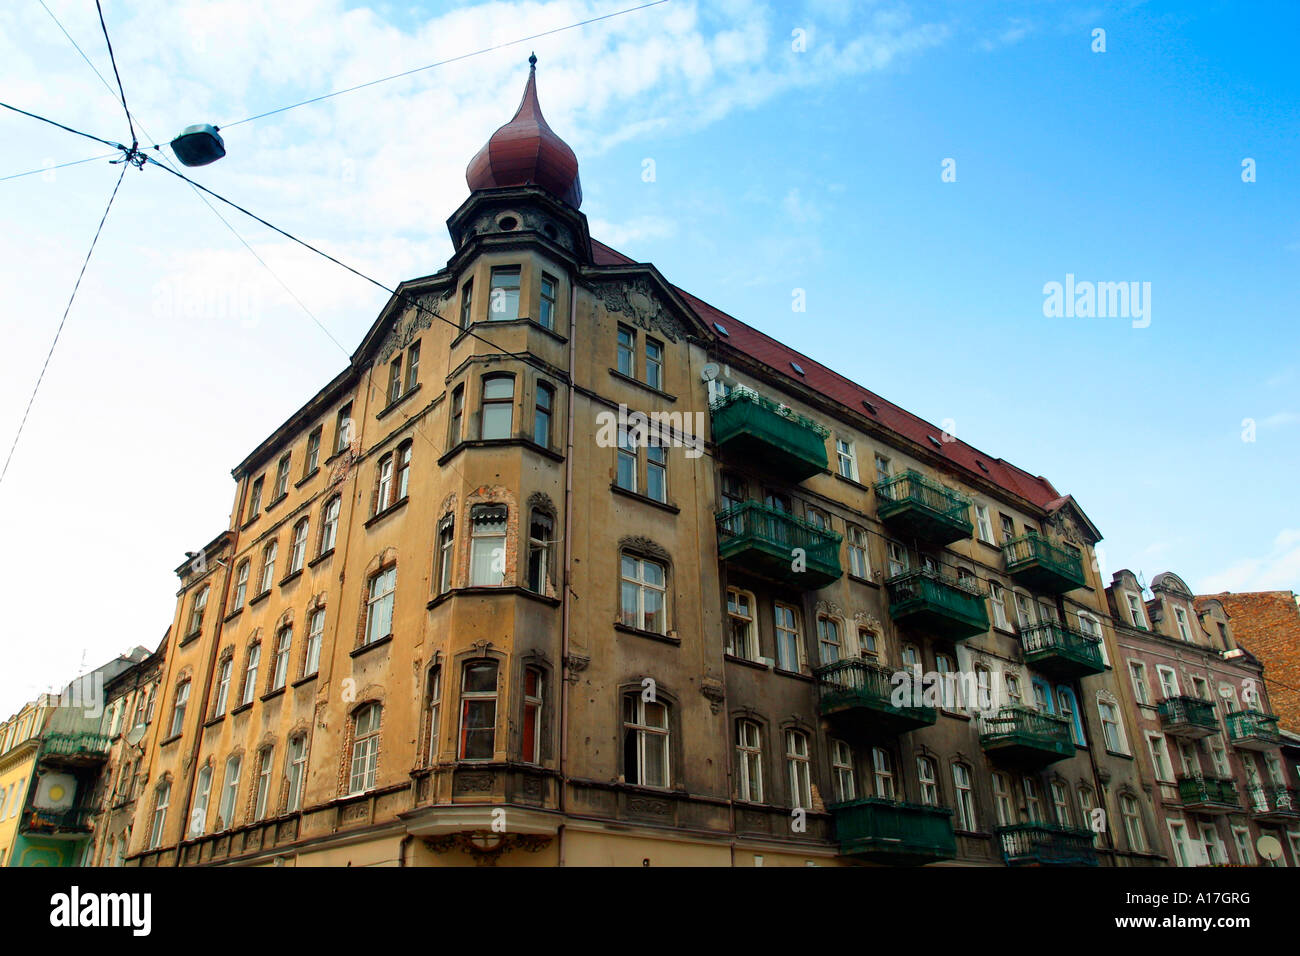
<point x="271" y="694"/>
<point x="851" y="481"/>
<point x="499" y="443"/>
<point x="357" y="652"/>
<point x="645" y="499"/>
<point x="305" y="680"/>
<point x="250" y="522"/>
<point x="795" y="674"/>
<point x="307" y="477"/>
<point x="290" y="577"/>
<point x="319" y="558"/>
<point x="1004" y="630"/>
<point x="188" y="639"/>
<point x="485" y="590"/>
<point x="339" y="453"/>
<point x="214" y="721"/>
<point x="1119" y="753"/>
<point x="652" y="635"/>
<point x="240" y="709"/>
<point x="275" y="501"/>
<point x="233" y="614"/>
<point x="169" y="740"/>
<point x="379" y="516"/>
<point x="522" y="320"/>
<point x="258" y="598"/>
<point x="745" y="661"/>
<point x="990" y="545"/>
<point x="643" y="385"/>
<point x="391" y="406"/>
<point x="867" y="581"/>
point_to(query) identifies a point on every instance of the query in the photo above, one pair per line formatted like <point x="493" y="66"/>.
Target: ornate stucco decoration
<point x="870" y="621"/>
<point x="575" y="664"/>
<point x="830" y="608"/>
<point x="713" y="691"/>
<point x="637" y="301"/>
<point x="404" y="330"/>
<point x="485" y="846"/>
<point x="644" y="546"/>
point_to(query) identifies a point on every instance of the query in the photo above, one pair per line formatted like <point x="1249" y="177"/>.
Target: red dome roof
<point x="526" y="152"/>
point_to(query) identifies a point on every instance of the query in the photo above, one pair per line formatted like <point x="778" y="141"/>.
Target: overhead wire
<point x="46" y="169"/>
<point x="113" y="59"/>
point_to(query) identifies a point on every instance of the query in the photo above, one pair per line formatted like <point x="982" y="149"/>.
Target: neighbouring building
<point x="1267" y="623"/>
<point x="470" y="609"/>
<point x="20" y="741"/>
<point x="1208" y="739"/>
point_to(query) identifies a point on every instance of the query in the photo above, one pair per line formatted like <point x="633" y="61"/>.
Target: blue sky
<point x="774" y="170"/>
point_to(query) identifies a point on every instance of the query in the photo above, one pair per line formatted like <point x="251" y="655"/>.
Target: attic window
<point x="722" y="329"/>
<point x="795" y="366"/>
<point x="983" y="467"/>
<point x="868" y="406"/>
<point x="934" y="441"/>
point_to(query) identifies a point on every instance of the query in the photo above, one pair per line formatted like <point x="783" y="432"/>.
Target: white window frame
<point x="846" y="459"/>
<point x="798" y="758"/>
<point x="983" y="523"/>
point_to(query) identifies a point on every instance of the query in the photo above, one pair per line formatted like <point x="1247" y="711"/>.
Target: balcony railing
<point x="944" y="605"/>
<point x="889" y="831"/>
<point x="778" y="545"/>
<point x="1037" y="562"/>
<point x="1208" y="794"/>
<point x="75" y="745"/>
<point x="1253" y="730"/>
<point x="773" y="436"/>
<point x="76" y="819"/>
<point x="1046" y="844"/>
<point x="1274" y="803"/>
<point x="1020" y="735"/>
<point x="860" y="697"/>
<point x="919" y="507"/>
<point x="1188" y="717"/>
<point x="1061" y="651"/>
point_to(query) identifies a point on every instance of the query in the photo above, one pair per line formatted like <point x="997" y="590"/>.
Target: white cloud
<point x="1278" y="570"/>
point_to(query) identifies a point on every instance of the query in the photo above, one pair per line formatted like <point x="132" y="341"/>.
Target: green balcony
<point x="777" y="545"/>
<point x="71" y="823"/>
<point x="1253" y="730"/>
<point x="1208" y="794"/>
<point x="858" y="698"/>
<point x="1038" y="563"/>
<point x="1046" y="844"/>
<point x="1022" y="737"/>
<point x="915" y="506"/>
<point x="892" y="832"/>
<point x="1061" y="651"/>
<point x="758" y="430"/>
<point x="1188" y="717"/>
<point x="940" y="604"/>
<point x="72" y="750"/>
<point x="1274" y="804"/>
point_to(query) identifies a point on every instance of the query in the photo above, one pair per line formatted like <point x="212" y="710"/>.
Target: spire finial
<point x="532" y="62"/>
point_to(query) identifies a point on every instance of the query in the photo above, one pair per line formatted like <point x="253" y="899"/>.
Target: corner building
<point x="459" y="616"/>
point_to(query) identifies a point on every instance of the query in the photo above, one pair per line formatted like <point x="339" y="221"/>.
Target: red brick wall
<point x="1267" y="623"/>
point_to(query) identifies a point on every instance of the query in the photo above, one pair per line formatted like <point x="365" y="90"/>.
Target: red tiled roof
<point x="767" y="350"/>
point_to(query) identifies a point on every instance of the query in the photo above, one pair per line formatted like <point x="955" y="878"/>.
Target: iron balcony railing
<point x="1199" y="791"/>
<point x="78" y="818"/>
<point x="890" y="831"/>
<point x="786" y="442"/>
<point x="75" y="745"/>
<point x="1275" y="801"/>
<point x="1046" y="844"/>
<point x="924" y="508"/>
<point x="766" y="538"/>
<point x="1190" y="713"/>
<point x="1253" y="726"/>
<point x="1035" y="560"/>
<point x="849" y="685"/>
<point x="1025" y="731"/>
<point x="952" y="607"/>
<point x="1061" y="650"/>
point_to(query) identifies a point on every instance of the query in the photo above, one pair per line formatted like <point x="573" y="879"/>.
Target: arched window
<point x="642" y="593"/>
<point x="315" y="636"/>
<point x="381" y="591"/>
<point x="828" y="639"/>
<point x="229" y="793"/>
<point x="1061" y="803"/>
<point x="497" y="414"/>
<point x="365" y="748"/>
<point x="383" y="496"/>
<point x="280" y="670"/>
<point x="404" y="451"/>
<point x="433" y="707"/>
<point x="859" y="563"/>
<point x="330" y="524"/>
<point x="178" y="707"/>
<point x="241" y="583"/>
<point x="541" y="531"/>
<point x="162" y="798"/>
<point x="298" y="552"/>
<point x="487" y="546"/>
<point x="742" y="633"/>
<point x="224" y="670"/>
<point x="950" y="687"/>
<point x="250" y="673"/>
<point x="912" y="659"/>
<point x="798" y="760"/>
<point x="262" y="793"/>
<point x="928" y="780"/>
<point x="478" y="710"/>
<point x="1012" y="684"/>
<point x="268" y="568"/>
<point x="964" y="797"/>
<point x="296" y="770"/>
<point x="445" y="554"/>
<point x="645" y="741"/>
<point x="196" y="612"/>
<point x="202" y="794"/>
<point x="749" y="761"/>
<point x="1068" y="708"/>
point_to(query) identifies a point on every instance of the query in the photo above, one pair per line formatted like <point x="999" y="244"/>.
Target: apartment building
<point x="569" y="567"/>
<point x="1267" y="623"/>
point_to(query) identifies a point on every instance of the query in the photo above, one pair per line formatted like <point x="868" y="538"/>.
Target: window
<point x="897" y="558"/>
<point x="846" y="459"/>
<point x="229" y="794"/>
<point x="403" y="470"/>
<point x="911" y="660"/>
<point x="457" y="413"/>
<point x="296" y="771"/>
<point x="859" y="563"/>
<point x="626" y="355"/>
<point x="1091" y="627"/>
<point x="298" y="551"/>
<point x="1160" y="758"/>
<point x="250" y="674"/>
<point x="966" y="819"/>
<point x="1241" y="838"/>
<point x="546" y="313"/>
<point x="749" y="759"/>
<point x="1201" y="688"/>
<point x="1215" y="852"/>
<point x="1180" y="617"/>
<point x="540" y="530"/>
<point x="983" y="523"/>
<point x="656" y="472"/>
<point x="1178" y="836"/>
<point x="268" y="567"/>
<point x="532" y="730"/>
<point x="280" y="669"/>
<point x="435" y="712"/>
<point x="625" y="472"/>
<point x="1136" y="613"/>
<point x="645" y="741"/>
<point x="383" y="484"/>
<point x="365" y="749"/>
<point x="828" y="640"/>
<point x="950" y="687"/>
<point x="1002" y="800"/>
<point x="798" y="762"/>
<point x="882" y="468"/>
<point x="654" y="364"/>
<point x="343" y="428"/>
<point x="882" y="772"/>
<point x="504" y="294"/>
<point x="263" y="791"/>
<point x="1137" y="672"/>
<point x="1061" y="803"/>
<point x="487" y="546"/>
<point x="842" y="775"/>
<point x="395" y="380"/>
<point x="1087" y="803"/>
<point x="789" y="645"/>
<point x="446" y="541"/>
<point x="1024" y="610"/>
<point x="203" y="791"/>
<point x="241" y="584"/>
<point x="1033" y="804"/>
<point x="255" y="500"/>
<point x="1129" y="813"/>
<point x="1168" y="681"/>
<point x="1067" y="708"/>
<point x="330" y="525"/>
<point x="498" y="407"/>
<point x="282" y="476"/>
<point x="164" y="796"/>
<point x="313" y="452"/>
<point x="379" y="605"/>
<point x="925" y="777"/>
<point x="868" y="643"/>
<point x="1008" y="527"/>
<point x="742" y="639"/>
<point x="478" y="710"/>
<point x="178" y="707"/>
<point x="641" y="594"/>
<point x="315" y="633"/>
<point x="542" y="415"/>
<point x="196" y="612"/>
<point x="413" y="366"/>
<point x="466" y="304"/>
